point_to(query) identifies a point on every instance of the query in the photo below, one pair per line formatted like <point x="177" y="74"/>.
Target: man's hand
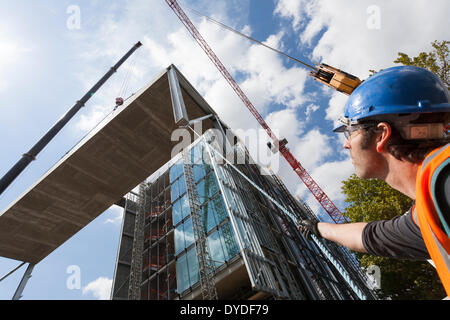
<point x="308" y="227"/>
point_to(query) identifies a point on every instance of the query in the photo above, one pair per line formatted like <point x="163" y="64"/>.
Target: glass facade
<point x="257" y="244"/>
<point x="236" y="221"/>
<point x="214" y="219"/>
<point x="170" y="252"/>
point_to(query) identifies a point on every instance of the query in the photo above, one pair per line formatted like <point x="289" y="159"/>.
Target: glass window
<point x="182" y="274"/>
<point x="199" y="171"/>
<point x="242" y="233"/>
<point x="209" y="216"/>
<point x="175" y="171"/>
<point x="177" y="213"/>
<point x="196" y="153"/>
<point x="179" y="239"/>
<point x="215" y="249"/>
<point x="219" y="208"/>
<point x="174" y="191"/>
<point x="188" y="233"/>
<point x="207" y="187"/>
<point x="229" y="243"/>
<point x="213" y="187"/>
<point x="202" y="192"/>
<point x="185" y="207"/>
<point x="181" y="185"/>
<point x="192" y="263"/>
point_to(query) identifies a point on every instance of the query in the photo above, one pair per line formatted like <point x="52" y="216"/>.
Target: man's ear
<point x="384" y="133"/>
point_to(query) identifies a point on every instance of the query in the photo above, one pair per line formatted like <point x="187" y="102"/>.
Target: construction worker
<point x="397" y="129"/>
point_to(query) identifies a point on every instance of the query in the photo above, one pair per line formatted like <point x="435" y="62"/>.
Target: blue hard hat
<point x="397" y="90"/>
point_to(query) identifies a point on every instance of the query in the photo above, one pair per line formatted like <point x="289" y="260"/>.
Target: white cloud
<point x="310" y="109"/>
<point x="339" y="32"/>
<point x="312" y="149"/>
<point x="329" y="177"/>
<point x="292" y="9"/>
<point x="349" y="44"/>
<point x="336" y="107"/>
<point x="338" y="29"/>
<point x="114" y="215"/>
<point x="92" y="117"/>
<point x="99" y="288"/>
<point x="286" y="123"/>
<point x="260" y="72"/>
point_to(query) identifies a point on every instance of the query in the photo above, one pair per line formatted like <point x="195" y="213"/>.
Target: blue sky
<point x="46" y="65"/>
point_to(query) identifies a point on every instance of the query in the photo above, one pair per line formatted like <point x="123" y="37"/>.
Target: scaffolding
<point x="342" y="254"/>
<point x="205" y="263"/>
<point x="327" y="282"/>
<point x="134" y="292"/>
<point x="278" y="261"/>
<point x="263" y="272"/>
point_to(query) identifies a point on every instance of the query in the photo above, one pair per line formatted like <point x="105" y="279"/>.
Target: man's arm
<point x="398" y="238"/>
<point x="349" y="234"/>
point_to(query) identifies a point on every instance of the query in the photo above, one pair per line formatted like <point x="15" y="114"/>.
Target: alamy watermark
<point x="373" y="273"/>
<point x="222" y="143"/>
<point x="374" y="19"/>
<point x="73" y="282"/>
<point x="73" y="22"/>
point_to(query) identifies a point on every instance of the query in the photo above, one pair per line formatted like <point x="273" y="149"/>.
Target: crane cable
<point x="127" y="78"/>
<point x="322" y="248"/>
<point x="251" y="39"/>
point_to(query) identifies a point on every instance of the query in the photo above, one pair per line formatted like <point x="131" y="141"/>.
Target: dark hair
<point x="413" y="151"/>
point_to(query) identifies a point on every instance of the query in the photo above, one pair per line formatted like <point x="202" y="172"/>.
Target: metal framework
<point x="279" y="262"/>
<point x="205" y="264"/>
<point x="134" y="292"/>
<point x="23" y="282"/>
<point x="315" y="189"/>
<point x="327" y="263"/>
<point x="121" y="280"/>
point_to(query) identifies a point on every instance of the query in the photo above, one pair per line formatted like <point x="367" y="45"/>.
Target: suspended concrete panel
<point x="130" y="144"/>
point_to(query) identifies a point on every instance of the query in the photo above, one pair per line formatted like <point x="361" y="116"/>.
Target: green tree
<point x="373" y="199"/>
<point x="437" y="61"/>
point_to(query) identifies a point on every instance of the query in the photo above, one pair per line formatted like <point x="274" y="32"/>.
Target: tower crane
<point x="330" y="76"/>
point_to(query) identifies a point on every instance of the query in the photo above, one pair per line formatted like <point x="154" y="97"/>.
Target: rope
<point x="251" y="39"/>
<point x="4" y="277"/>
<point x="322" y="248"/>
<point x="127" y="77"/>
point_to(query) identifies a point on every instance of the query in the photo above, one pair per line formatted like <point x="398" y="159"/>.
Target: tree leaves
<point x="435" y="61"/>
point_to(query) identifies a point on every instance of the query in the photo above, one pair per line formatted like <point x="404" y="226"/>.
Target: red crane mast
<point x="314" y="188"/>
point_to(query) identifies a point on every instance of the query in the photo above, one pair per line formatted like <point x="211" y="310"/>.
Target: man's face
<point x="365" y="160"/>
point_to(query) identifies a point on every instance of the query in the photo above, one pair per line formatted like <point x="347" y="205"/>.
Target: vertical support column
<point x="179" y="108"/>
<point x="23" y="282"/>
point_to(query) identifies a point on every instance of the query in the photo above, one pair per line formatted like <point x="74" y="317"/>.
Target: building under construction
<point x="198" y="228"/>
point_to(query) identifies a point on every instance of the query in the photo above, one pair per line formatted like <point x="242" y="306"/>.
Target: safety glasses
<point x="348" y="130"/>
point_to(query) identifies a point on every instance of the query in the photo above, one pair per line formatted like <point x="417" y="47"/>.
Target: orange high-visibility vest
<point x="430" y="216"/>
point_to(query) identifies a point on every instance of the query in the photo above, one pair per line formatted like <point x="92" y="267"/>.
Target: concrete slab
<point x="132" y="143"/>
